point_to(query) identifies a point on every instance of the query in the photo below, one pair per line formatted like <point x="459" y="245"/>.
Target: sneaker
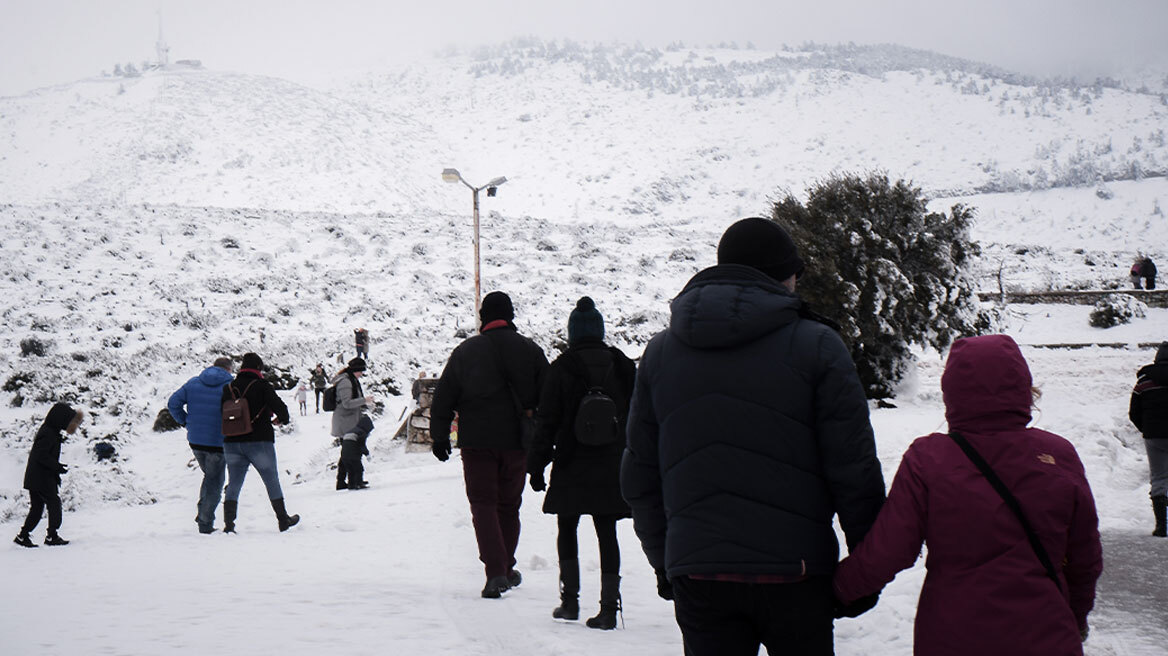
<point x="495" y="587"/>
<point x="54" y="540"/>
<point x="514" y="578"/>
<point x="24" y="540"/>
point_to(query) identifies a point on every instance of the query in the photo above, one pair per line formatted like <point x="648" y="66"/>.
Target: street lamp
<point x="452" y="175"/>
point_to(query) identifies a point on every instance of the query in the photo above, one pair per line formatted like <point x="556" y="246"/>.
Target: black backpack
<point x="330" y="399"/>
<point x="597" y="418"/>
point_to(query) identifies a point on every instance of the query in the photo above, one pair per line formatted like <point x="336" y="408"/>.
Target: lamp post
<point x="452" y="175"/>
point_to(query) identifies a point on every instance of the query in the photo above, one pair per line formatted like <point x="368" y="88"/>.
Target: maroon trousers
<point x="494" y="486"/>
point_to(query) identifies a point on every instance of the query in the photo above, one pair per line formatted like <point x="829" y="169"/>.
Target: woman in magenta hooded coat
<point x="985" y="590"/>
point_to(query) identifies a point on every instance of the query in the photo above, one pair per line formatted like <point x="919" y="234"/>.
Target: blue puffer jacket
<point x="748" y="432"/>
<point x="198" y="406"/>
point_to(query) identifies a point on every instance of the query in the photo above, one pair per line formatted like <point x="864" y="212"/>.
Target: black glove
<point x="664" y="587"/>
<point x="537" y="483"/>
<point x="441" y="450"/>
<point x="61" y="469"/>
<point x="857" y="607"/>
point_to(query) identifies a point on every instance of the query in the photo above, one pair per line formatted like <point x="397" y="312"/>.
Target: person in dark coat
<point x="490" y="380"/>
<point x="1148" y="410"/>
<point x="319" y="383"/>
<point x="42" y="476"/>
<point x="257" y="448"/>
<point x="361" y="342"/>
<point x="1148" y="273"/>
<point x="748" y="432"/>
<point x="198" y="406"/>
<point x="347" y="418"/>
<point x="986" y="591"/>
<point x="585" y="477"/>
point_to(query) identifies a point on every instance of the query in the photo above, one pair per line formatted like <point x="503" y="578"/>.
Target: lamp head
<point x="451" y="175"/>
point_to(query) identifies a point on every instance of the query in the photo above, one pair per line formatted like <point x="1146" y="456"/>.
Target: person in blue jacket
<point x="198" y="406"/>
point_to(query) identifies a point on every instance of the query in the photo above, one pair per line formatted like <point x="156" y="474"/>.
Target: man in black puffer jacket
<point x="489" y="380"/>
<point x="1149" y="412"/>
<point x="748" y="432"/>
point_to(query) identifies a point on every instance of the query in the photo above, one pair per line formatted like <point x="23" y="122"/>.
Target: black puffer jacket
<point x="585" y="479"/>
<point x="748" y="431"/>
<point x="43" y="473"/>
<point x="1149" y="400"/>
<point x="262" y="402"/>
<point x="474" y="383"/>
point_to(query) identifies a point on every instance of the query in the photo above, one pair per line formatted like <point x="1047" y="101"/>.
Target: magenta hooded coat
<point x="985" y="590"/>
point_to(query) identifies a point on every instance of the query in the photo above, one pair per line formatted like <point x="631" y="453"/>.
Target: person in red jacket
<point x="985" y="589"/>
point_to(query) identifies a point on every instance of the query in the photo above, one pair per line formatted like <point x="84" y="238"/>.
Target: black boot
<point x="229" y="510"/>
<point x="1160" y="510"/>
<point x="609" y="603"/>
<point x="54" y="540"/>
<point x="285" y="520"/>
<point x="24" y="540"/>
<point x="569" y="608"/>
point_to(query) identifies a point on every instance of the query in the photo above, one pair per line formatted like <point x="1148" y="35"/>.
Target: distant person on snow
<point x="198" y="406"/>
<point x="1136" y="273"/>
<point x="302" y="399"/>
<point x="585" y="476"/>
<point x="42" y="476"/>
<point x="992" y="585"/>
<point x="1148" y="273"/>
<point x="1149" y="412"/>
<point x="361" y="341"/>
<point x="257" y="448"/>
<point x="347" y="425"/>
<point x="490" y="380"/>
<point x="417" y="387"/>
<point x="319" y="383"/>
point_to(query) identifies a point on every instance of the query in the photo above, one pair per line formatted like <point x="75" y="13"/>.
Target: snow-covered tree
<point x="884" y="268"/>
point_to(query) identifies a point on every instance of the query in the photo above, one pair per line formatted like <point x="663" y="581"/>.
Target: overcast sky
<point x="46" y="42"/>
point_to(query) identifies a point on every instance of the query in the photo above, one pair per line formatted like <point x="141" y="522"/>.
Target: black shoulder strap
<point x="515" y="400"/>
<point x="1011" y="502"/>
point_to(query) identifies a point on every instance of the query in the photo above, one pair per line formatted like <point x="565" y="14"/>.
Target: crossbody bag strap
<point x="515" y="400"/>
<point x="1011" y="503"/>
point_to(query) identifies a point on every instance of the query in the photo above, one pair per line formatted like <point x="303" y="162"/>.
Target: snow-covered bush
<point x="887" y="271"/>
<point x="1117" y="309"/>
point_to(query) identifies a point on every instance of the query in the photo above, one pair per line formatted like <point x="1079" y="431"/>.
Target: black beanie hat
<point x="763" y="245"/>
<point x="356" y="364"/>
<point x="252" y="361"/>
<point x="495" y="306"/>
<point x="1162" y="352"/>
<point x="585" y="322"/>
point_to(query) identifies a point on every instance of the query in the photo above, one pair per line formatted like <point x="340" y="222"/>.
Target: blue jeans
<point x="213" y="465"/>
<point x="1158" y="466"/>
<point x="261" y="455"/>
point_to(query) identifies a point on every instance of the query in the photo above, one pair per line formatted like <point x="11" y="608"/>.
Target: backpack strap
<point x="1011" y="503"/>
<point x="244" y="394"/>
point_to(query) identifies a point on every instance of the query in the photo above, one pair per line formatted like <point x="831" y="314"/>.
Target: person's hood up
<point x="986" y="384"/>
<point x="59" y="416"/>
<point x="215" y="377"/>
<point x="729" y="305"/>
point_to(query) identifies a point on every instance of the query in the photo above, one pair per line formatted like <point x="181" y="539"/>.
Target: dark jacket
<point x="585" y="479"/>
<point x="319" y="379"/>
<point x="748" y="432"/>
<point x="475" y="384"/>
<point x="985" y="590"/>
<point x="198" y="405"/>
<point x="1149" y="401"/>
<point x="43" y="473"/>
<point x="262" y="402"/>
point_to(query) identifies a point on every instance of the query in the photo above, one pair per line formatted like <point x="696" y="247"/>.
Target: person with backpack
<point x="250" y="408"/>
<point x="492" y="380"/>
<point x="581" y="431"/>
<point x="319" y="383"/>
<point x="1005" y="511"/>
<point x="198" y="406"/>
<point x="351" y="403"/>
<point x="42" y="476"/>
<point x="1148" y="410"/>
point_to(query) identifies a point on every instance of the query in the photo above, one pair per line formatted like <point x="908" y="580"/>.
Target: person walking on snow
<point x="198" y="406"/>
<point x="585" y="476"/>
<point x="257" y="448"/>
<point x="302" y="399"/>
<point x="42" y="476"/>
<point x="748" y="433"/>
<point x="987" y="589"/>
<point x="490" y="380"/>
<point x="350" y="410"/>
<point x="1148" y="273"/>
<point x="319" y="383"/>
<point x="361" y="341"/>
<point x="1148" y="410"/>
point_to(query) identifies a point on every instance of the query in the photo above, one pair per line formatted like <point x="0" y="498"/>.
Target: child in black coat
<point x="42" y="477"/>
